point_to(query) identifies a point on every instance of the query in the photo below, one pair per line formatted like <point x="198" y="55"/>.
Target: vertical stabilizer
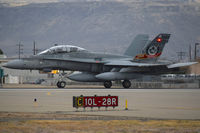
<point x="137" y="45"/>
<point x="153" y="49"/>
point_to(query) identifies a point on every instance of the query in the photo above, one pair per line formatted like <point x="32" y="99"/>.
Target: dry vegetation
<point x="15" y="124"/>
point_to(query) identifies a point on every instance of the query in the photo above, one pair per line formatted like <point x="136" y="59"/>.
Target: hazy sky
<point x="26" y="2"/>
<point x="46" y="1"/>
<point x="105" y="27"/>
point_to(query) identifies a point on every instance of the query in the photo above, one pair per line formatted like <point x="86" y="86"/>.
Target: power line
<point x="181" y="55"/>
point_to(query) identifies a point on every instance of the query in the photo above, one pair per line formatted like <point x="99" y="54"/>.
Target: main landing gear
<point x="107" y="84"/>
<point x="125" y="84"/>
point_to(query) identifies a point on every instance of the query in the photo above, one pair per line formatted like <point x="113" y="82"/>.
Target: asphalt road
<point x="148" y="103"/>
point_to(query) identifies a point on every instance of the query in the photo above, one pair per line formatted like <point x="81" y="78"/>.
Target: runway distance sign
<point x="95" y="101"/>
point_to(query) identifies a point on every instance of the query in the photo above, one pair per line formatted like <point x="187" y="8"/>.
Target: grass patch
<point x="101" y="126"/>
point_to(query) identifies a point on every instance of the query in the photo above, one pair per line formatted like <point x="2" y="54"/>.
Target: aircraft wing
<point x="130" y="63"/>
<point x="176" y="65"/>
<point x="137" y="64"/>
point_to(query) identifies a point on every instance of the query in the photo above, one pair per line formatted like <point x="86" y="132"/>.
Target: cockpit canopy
<point x="62" y="49"/>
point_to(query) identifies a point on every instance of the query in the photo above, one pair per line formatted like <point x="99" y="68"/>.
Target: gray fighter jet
<point x="141" y="58"/>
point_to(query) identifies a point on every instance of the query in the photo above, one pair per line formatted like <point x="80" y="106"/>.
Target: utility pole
<point x="34" y="48"/>
<point x="195" y="50"/>
<point x="181" y="55"/>
<point x="190" y="53"/>
<point x="20" y="49"/>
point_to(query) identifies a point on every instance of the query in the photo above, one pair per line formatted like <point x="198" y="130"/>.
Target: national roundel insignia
<point x="153" y="50"/>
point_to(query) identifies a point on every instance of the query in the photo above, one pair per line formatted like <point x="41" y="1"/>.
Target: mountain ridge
<point x="98" y="26"/>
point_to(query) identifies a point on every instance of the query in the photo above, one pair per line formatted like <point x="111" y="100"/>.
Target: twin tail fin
<point x="153" y="49"/>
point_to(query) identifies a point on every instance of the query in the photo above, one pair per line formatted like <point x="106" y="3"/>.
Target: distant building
<point x="2" y="56"/>
<point x="194" y="69"/>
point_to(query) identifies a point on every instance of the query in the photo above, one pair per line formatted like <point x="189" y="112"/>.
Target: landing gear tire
<point x="126" y="84"/>
<point x="58" y="84"/>
<point x="107" y="84"/>
<point x="61" y="84"/>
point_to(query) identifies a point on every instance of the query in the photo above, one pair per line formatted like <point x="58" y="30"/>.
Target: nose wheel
<point x="107" y="84"/>
<point x="126" y="84"/>
<point x="61" y="84"/>
<point x="61" y="81"/>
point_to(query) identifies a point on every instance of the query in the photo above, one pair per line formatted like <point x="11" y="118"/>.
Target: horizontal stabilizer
<point x="181" y="64"/>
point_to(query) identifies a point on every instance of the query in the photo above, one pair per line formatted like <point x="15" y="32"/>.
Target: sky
<point x="14" y="3"/>
<point x="25" y="2"/>
<point x="93" y="26"/>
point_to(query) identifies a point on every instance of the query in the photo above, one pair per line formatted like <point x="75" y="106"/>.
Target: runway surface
<point x="148" y="103"/>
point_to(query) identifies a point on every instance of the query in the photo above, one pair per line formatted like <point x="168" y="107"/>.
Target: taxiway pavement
<point x="148" y="103"/>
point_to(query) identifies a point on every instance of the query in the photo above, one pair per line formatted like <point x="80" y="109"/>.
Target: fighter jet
<point x="140" y="59"/>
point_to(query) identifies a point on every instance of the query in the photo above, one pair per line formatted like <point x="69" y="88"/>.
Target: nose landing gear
<point x="61" y="84"/>
<point x="62" y="80"/>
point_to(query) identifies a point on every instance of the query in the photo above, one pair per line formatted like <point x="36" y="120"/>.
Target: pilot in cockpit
<point x="61" y="49"/>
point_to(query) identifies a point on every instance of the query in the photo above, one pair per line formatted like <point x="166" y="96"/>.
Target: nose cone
<point x="15" y="64"/>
